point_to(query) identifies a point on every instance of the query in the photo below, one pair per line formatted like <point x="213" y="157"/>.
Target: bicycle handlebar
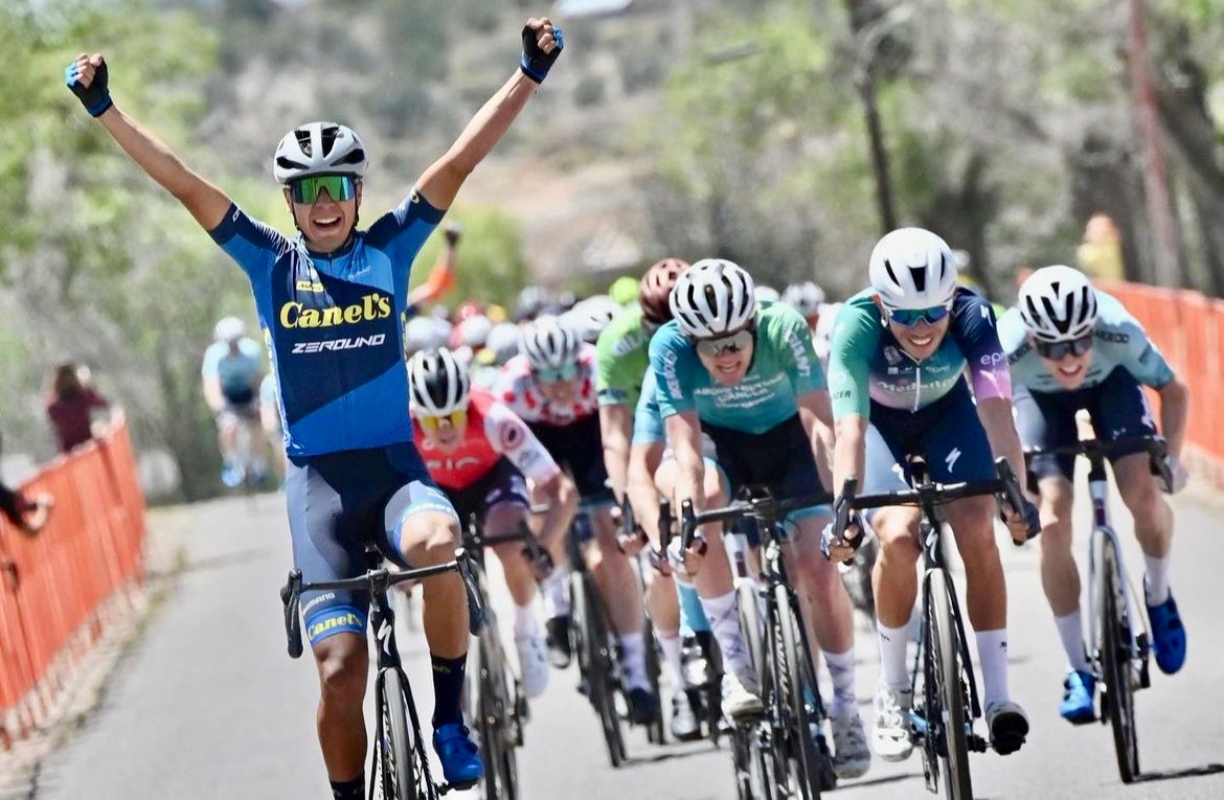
<point x="1096" y="450"/>
<point x="374" y="581"/>
<point x="766" y="507"/>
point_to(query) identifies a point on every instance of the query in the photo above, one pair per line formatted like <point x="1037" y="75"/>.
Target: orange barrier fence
<point x="65" y="586"/>
<point x="1189" y="330"/>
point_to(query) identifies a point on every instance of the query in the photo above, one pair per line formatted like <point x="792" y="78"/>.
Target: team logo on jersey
<point x="510" y="435"/>
<point x="372" y="306"/>
<point x="891" y="355"/>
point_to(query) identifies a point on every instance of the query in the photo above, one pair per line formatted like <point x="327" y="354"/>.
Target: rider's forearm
<point x="849" y="454"/>
<point x="203" y="200"/>
<point x="1174" y="411"/>
<point x="1000" y="425"/>
<point x="816" y="415"/>
<point x="644" y="498"/>
<point x="562" y="499"/>
<point x="213" y="396"/>
<point x="615" y="425"/>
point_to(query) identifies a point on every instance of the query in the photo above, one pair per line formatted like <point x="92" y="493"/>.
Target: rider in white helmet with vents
<point x="897" y="371"/>
<point x="745" y="373"/>
<point x="1074" y="348"/>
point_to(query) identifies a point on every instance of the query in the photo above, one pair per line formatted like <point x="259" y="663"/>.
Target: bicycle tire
<point x="804" y="754"/>
<point x="1118" y="694"/>
<point x="654" y="731"/>
<point x="396" y="763"/>
<point x="747" y="600"/>
<point x="958" y="784"/>
<point x="597" y="656"/>
<point x="493" y="710"/>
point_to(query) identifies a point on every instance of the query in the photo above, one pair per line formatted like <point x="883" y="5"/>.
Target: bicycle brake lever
<point x="291" y="598"/>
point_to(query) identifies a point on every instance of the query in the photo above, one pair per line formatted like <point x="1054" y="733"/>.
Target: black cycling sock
<point x="448" y="688"/>
<point x="349" y="790"/>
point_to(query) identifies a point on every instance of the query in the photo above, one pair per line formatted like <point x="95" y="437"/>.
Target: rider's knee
<point x="343" y="664"/>
<point x="432" y="542"/>
<point x="973" y="524"/>
<point x="896" y="535"/>
<point x="1146" y="505"/>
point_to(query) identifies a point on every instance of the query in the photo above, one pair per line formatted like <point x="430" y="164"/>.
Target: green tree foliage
<point x="490" y="264"/>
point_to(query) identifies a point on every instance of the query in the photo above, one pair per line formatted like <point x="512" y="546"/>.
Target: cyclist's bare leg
<point x="663" y="605"/>
<point x="1139" y="490"/>
<point x="503" y="519"/>
<point x="613" y="575"/>
<point x="713" y="579"/>
<point x="227" y="435"/>
<point x="1059" y="574"/>
<point x="972" y="521"/>
<point x="895" y="579"/>
<point x="429" y="538"/>
<point x="343" y="663"/>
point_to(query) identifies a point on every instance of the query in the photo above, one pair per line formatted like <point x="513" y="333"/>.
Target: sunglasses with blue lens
<point x="909" y="317"/>
<point x="565" y="373"/>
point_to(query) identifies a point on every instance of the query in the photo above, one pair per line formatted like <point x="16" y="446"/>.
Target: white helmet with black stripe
<point x="439" y="383"/>
<point x="548" y="343"/>
<point x="1058" y="304"/>
<point x="319" y="148"/>
<point x="912" y="268"/>
<point x="713" y="297"/>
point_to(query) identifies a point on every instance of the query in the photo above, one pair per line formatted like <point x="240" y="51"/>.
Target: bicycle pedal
<point x="978" y="744"/>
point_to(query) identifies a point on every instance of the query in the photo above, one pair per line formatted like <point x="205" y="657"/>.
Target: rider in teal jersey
<point x="897" y="375"/>
<point x="746" y="375"/>
<point x="331" y="300"/>
<point x="1074" y="348"/>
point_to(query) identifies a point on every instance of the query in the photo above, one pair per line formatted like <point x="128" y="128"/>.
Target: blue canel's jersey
<point x="334" y="325"/>
<point x="236" y="372"/>
<point x="1118" y="341"/>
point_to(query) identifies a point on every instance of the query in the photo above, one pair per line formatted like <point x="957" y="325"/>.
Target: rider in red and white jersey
<point x="478" y="452"/>
<point x="551" y="385"/>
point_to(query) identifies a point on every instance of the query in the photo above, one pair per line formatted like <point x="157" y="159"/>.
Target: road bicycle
<point x="400" y="767"/>
<point x="1118" y="655"/>
<point x="784" y="754"/>
<point x="630" y="530"/>
<point x="946" y="705"/>
<point x="499" y="706"/>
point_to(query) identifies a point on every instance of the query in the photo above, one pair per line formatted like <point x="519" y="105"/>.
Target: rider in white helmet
<point x="766" y="294"/>
<point x="232" y="371"/>
<point x="808" y="299"/>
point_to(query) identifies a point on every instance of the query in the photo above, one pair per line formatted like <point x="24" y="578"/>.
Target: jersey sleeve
<point x="212" y="359"/>
<point x="793" y="338"/>
<point x="973" y="322"/>
<point x="253" y="245"/>
<point x="612" y="383"/>
<point x="511" y="437"/>
<point x="647" y="421"/>
<point x="855" y="337"/>
<point x="667" y="354"/>
<point x="510" y="388"/>
<point x="1137" y="352"/>
<point x="401" y="232"/>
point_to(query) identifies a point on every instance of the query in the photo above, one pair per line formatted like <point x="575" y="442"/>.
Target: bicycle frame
<point x="1098" y="488"/>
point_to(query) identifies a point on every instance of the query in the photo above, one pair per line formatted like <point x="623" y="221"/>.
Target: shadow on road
<point x="670" y="755"/>
<point x="1176" y="774"/>
<point x="871" y="782"/>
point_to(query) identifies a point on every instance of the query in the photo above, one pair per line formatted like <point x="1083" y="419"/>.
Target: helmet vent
<point x="303" y="140"/>
<point x="919" y="274"/>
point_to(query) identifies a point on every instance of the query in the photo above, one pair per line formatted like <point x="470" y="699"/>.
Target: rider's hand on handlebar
<point x="687" y="562"/>
<point x="632" y="543"/>
<point x="541" y="564"/>
<point x="1019" y="525"/>
<point x="1177" y="472"/>
<point x="843" y="549"/>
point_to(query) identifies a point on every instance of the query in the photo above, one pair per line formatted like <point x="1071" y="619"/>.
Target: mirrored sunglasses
<point x="566" y="373"/>
<point x="734" y="343"/>
<point x="338" y="187"/>
<point x="1057" y="351"/>
<point x="909" y="317"/>
<point x="431" y="423"/>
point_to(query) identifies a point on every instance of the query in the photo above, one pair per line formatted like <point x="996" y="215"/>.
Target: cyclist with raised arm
<point x="330" y="302"/>
<point x="478" y="452"/>
<point x="1073" y="347"/>
<point x="551" y="386"/>
<point x="622" y="369"/>
<point x="745" y="374"/>
<point x="232" y="370"/>
<point x="897" y="374"/>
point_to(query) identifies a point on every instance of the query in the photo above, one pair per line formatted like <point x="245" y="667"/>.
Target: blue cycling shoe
<point x="231" y="476"/>
<point x="461" y="764"/>
<point x="1077" y="704"/>
<point x="1168" y="635"/>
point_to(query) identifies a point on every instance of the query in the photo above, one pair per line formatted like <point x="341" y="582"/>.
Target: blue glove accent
<point x="535" y="63"/>
<point x="96" y="97"/>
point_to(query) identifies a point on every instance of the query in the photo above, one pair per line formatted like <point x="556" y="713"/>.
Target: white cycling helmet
<point x="503" y="342"/>
<point x="229" y="330"/>
<point x="591" y="316"/>
<point x="822" y="337"/>
<point x="806" y="297"/>
<point x="549" y="344"/>
<point x="474" y="331"/>
<point x="913" y="268"/>
<point x="713" y="297"/>
<point x="439" y="383"/>
<point x="1058" y="304"/>
<point x="319" y="148"/>
<point x="766" y="294"/>
<point x="425" y="333"/>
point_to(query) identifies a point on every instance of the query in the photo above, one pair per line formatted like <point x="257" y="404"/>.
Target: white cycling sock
<point x="633" y="660"/>
<point x="723" y="615"/>
<point x="1156" y="581"/>
<point x="556" y="594"/>
<point x="992" y="657"/>
<point x="1071" y="631"/>
<point x="525" y="623"/>
<point x="841" y="671"/>
<point x="670" y="645"/>
<point x="893" y="642"/>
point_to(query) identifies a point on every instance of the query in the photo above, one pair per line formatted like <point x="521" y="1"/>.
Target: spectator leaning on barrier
<point x="71" y="404"/>
<point x="28" y="514"/>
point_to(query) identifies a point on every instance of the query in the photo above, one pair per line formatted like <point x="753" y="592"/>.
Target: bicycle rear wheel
<point x="398" y="751"/>
<point x="1118" y="694"/>
<point x="950" y="724"/>
<point x="790" y="657"/>
<point x="597" y="655"/>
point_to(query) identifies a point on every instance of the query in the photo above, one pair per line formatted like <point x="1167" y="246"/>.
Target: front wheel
<point x="1118" y="693"/>
<point x="792" y="662"/>
<point x="946" y="661"/>
<point x="596" y="653"/>
<point x="397" y="775"/>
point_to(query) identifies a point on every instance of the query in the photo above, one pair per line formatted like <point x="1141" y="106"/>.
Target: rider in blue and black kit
<point x="330" y="302"/>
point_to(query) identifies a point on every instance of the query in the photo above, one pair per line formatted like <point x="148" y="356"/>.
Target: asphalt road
<point x="208" y="706"/>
